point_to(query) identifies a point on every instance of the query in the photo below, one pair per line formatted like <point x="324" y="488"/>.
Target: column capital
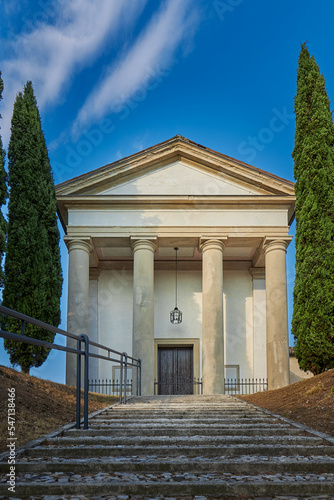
<point x="214" y="243"/>
<point x="257" y="273"/>
<point x="278" y="243"/>
<point x="143" y="243"/>
<point x="84" y="244"/>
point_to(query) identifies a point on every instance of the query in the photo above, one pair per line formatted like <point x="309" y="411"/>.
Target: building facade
<point x="230" y="222"/>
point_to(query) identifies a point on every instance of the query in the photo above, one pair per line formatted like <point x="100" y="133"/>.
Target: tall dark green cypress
<point x="3" y="196"/>
<point x="33" y="277"/>
<point x="313" y="312"/>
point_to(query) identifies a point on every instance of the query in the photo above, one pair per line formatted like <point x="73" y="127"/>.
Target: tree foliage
<point x="313" y="313"/>
<point x="33" y="278"/>
<point x="3" y="196"/>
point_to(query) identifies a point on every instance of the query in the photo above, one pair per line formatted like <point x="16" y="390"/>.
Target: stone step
<point x="184" y="414"/>
<point x="186" y="451"/>
<point x="244" y="465"/>
<point x="203" y="430"/>
<point x="171" y="420"/>
<point x="128" y="408"/>
<point x="181" y="409"/>
<point x="180" y="486"/>
<point x="178" y="446"/>
<point x="109" y="424"/>
<point x="197" y="402"/>
<point x="161" y="403"/>
<point x="167" y="440"/>
<point x="201" y="418"/>
<point x="182" y="400"/>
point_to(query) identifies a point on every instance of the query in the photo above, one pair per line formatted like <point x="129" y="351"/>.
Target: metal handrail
<point x="85" y="352"/>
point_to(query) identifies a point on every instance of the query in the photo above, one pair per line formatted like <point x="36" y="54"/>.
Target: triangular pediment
<point x="179" y="179"/>
<point x="177" y="167"/>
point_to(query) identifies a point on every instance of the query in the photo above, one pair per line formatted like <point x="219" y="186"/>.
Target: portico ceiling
<point x="189" y="251"/>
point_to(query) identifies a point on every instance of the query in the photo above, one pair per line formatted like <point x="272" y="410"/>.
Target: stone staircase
<point x="178" y="447"/>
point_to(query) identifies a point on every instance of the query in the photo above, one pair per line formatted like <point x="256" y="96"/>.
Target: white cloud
<point x="50" y="54"/>
<point x="152" y="51"/>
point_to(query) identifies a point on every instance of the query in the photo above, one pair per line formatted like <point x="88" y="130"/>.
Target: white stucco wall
<point x="93" y="328"/>
<point x="115" y="314"/>
<point x="114" y="295"/>
<point x="238" y="321"/>
<point x="189" y="302"/>
<point x="259" y="320"/>
<point x="296" y="374"/>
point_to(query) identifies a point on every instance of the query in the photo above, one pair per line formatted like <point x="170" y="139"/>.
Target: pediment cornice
<point x="176" y="149"/>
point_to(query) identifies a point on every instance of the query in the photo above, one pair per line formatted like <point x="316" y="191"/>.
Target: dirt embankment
<point x="40" y="406"/>
<point x="310" y="402"/>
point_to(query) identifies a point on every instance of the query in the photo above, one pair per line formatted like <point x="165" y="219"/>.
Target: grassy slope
<point x="310" y="402"/>
<point x="41" y="406"/>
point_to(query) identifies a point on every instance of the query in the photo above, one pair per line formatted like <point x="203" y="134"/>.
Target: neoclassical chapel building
<point x="230" y="223"/>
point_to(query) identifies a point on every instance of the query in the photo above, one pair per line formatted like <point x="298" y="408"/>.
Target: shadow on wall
<point x="238" y="330"/>
<point x="296" y="374"/>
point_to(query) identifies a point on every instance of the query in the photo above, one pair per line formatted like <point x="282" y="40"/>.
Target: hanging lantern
<point x="176" y="314"/>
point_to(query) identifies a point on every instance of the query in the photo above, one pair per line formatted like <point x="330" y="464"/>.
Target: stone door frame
<point x="178" y="342"/>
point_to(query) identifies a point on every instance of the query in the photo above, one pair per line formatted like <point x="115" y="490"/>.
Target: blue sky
<point x="117" y="78"/>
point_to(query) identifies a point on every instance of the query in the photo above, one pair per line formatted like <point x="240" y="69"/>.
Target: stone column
<point x="143" y="310"/>
<point x="212" y="316"/>
<point x="78" y="298"/>
<point x="276" y="313"/>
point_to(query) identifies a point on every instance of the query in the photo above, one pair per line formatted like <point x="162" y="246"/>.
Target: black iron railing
<point x="177" y="385"/>
<point x="109" y="387"/>
<point x="82" y="350"/>
<point x="245" y="385"/>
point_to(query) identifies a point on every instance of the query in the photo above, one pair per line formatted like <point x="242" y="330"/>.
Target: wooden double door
<point x="175" y="370"/>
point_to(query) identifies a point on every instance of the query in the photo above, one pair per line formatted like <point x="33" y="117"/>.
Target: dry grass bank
<point x="41" y="406"/>
<point x="310" y="402"/>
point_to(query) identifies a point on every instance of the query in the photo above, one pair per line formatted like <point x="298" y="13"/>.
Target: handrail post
<point x="23" y="327"/>
<point x="121" y="380"/>
<point x="139" y="378"/>
<point x="78" y="385"/>
<point x="86" y="376"/>
<point x="125" y="373"/>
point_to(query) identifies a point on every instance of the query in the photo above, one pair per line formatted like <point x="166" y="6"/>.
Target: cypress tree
<point x="313" y="312"/>
<point x="3" y="196"/>
<point x="33" y="278"/>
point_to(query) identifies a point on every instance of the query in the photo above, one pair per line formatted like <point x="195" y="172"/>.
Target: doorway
<point x="175" y="370"/>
